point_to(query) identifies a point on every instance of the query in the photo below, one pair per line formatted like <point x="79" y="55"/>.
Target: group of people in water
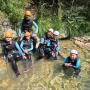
<point x="28" y="43"/>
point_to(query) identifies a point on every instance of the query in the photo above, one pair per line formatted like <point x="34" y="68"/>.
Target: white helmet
<point x="34" y="35"/>
<point x="51" y="30"/>
<point x="74" y="51"/>
<point x="56" y="33"/>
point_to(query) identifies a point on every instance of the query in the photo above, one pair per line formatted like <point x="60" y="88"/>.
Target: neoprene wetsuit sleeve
<point x="4" y="53"/>
<point x="36" y="27"/>
<point x="77" y="64"/>
<point x="19" y="32"/>
<point x="19" y="49"/>
<point x="31" y="47"/>
<point x="65" y="60"/>
<point x="21" y="45"/>
<point x="20" y="29"/>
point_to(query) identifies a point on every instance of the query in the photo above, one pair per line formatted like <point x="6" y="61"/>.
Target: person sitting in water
<point x="55" y="45"/>
<point x="49" y="34"/>
<point x="11" y="51"/>
<point x="72" y="61"/>
<point x="44" y="42"/>
<point x="27" y="47"/>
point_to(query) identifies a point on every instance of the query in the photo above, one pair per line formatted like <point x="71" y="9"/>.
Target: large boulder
<point x="87" y="46"/>
<point x="82" y="42"/>
<point x="79" y="43"/>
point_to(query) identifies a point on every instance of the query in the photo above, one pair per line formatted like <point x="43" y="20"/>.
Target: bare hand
<point x="24" y="57"/>
<point x="26" y="51"/>
<point x="68" y="64"/>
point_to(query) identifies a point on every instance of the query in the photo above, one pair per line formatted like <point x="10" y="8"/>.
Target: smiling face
<point x="8" y="39"/>
<point x="27" y="37"/>
<point x="73" y="56"/>
<point x="27" y="17"/>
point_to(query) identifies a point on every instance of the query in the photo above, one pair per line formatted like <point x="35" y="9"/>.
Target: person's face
<point x="50" y="33"/>
<point x="73" y="56"/>
<point x="28" y="18"/>
<point x="28" y="37"/>
<point x="8" y="39"/>
<point x="56" y="36"/>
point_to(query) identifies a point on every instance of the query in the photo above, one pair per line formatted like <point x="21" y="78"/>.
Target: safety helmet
<point x="28" y="13"/>
<point x="27" y="33"/>
<point x="56" y="33"/>
<point x="8" y="34"/>
<point x="74" y="51"/>
<point x="51" y="30"/>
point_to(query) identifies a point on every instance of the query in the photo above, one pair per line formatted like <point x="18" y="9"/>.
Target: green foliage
<point x="43" y="25"/>
<point x="13" y="9"/>
<point x="73" y="19"/>
<point x="48" y="18"/>
<point x="75" y="24"/>
<point x="49" y="22"/>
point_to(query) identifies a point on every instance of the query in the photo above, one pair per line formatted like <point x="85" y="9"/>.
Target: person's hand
<point x="24" y="57"/>
<point x="68" y="64"/>
<point x="26" y="51"/>
<point x="37" y="45"/>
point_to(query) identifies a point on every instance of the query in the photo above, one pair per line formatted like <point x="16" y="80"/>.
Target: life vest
<point x="70" y="61"/>
<point x="54" y="43"/>
<point x="27" y="25"/>
<point x="27" y="44"/>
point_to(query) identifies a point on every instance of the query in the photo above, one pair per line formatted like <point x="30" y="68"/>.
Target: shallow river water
<point x="46" y="74"/>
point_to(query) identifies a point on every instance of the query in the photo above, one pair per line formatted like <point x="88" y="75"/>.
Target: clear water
<point x="47" y="75"/>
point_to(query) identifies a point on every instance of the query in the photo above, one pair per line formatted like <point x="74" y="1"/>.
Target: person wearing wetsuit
<point x="72" y="62"/>
<point x="11" y="51"/>
<point x="27" y="47"/>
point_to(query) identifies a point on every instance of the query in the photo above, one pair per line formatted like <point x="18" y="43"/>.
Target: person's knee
<point x="64" y="67"/>
<point x="77" y="71"/>
<point x="10" y="56"/>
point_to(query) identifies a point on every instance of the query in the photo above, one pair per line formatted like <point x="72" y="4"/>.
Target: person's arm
<point x="65" y="60"/>
<point x="21" y="45"/>
<point x="19" y="32"/>
<point x="66" y="63"/>
<point x="19" y="49"/>
<point x="77" y="64"/>
<point x="4" y="53"/>
<point x="3" y="49"/>
<point x="20" y="29"/>
<point x="42" y="41"/>
<point x="31" y="47"/>
<point x="36" y="27"/>
<point x="58" y="49"/>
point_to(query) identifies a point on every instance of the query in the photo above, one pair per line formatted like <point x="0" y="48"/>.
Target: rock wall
<point x="5" y="25"/>
<point x="82" y="42"/>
